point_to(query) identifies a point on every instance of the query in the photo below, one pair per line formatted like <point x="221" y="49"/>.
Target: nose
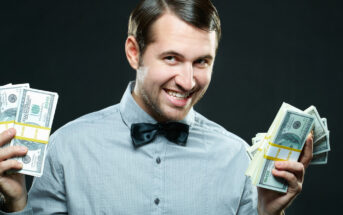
<point x="185" y="78"/>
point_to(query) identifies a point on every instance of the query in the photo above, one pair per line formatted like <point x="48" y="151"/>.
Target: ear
<point x="132" y="52"/>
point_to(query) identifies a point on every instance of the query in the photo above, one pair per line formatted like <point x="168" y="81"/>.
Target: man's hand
<point x="12" y="186"/>
<point x="271" y="202"/>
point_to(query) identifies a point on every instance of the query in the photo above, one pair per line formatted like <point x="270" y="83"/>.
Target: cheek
<point x="141" y="74"/>
<point x="204" y="78"/>
<point x="160" y="74"/>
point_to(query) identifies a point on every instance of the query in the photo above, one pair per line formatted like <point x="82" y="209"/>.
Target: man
<point x="103" y="163"/>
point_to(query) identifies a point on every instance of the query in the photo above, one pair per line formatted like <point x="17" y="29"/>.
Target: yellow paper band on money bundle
<point x="267" y="137"/>
<point x="281" y="153"/>
<point x="32" y="133"/>
<point x="264" y="139"/>
<point x="6" y="125"/>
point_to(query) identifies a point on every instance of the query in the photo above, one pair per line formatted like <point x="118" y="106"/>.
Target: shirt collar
<point x="131" y="112"/>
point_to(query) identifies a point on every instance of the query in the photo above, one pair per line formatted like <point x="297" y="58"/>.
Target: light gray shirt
<point x="93" y="168"/>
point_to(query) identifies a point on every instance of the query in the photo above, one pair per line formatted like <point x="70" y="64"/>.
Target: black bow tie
<point x="144" y="133"/>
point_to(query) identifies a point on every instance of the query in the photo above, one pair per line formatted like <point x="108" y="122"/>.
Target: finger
<point x="293" y="183"/>
<point x="294" y="167"/>
<point x="9" y="164"/>
<point x="307" y="152"/>
<point x="12" y="151"/>
<point x="6" y="136"/>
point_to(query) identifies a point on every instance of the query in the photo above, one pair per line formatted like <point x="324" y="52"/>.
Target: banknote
<point x="322" y="145"/>
<point x="36" y="109"/>
<point x="319" y="128"/>
<point x="9" y="97"/>
<point x="252" y="151"/>
<point x="289" y="140"/>
<point x="258" y="137"/>
<point x="257" y="150"/>
<point x="6" y="85"/>
<point x="320" y="158"/>
<point x="264" y="150"/>
<point x="325" y="123"/>
<point x="317" y="147"/>
<point x="256" y="144"/>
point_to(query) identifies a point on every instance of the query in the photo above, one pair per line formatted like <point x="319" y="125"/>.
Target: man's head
<point x="199" y="13"/>
<point x="172" y="45"/>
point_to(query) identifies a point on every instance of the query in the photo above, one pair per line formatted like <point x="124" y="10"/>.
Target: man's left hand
<point x="273" y="203"/>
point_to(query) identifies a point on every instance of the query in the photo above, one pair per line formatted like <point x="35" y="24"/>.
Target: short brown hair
<point x="199" y="13"/>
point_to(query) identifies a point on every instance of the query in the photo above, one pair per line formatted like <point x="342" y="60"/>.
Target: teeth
<point x="178" y="95"/>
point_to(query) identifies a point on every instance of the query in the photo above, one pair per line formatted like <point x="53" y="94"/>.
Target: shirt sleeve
<point x="47" y="193"/>
<point x="248" y="203"/>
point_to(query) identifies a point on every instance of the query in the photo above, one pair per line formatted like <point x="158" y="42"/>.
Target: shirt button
<point x="158" y="160"/>
<point x="157" y="201"/>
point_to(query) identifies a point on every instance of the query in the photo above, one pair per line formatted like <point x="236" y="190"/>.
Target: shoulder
<point x="86" y="125"/>
<point x="91" y="118"/>
<point x="213" y="131"/>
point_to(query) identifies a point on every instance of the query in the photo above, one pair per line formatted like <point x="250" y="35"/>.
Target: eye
<point x="201" y="63"/>
<point x="170" y="59"/>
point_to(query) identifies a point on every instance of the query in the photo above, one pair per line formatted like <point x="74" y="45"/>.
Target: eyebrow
<point x="166" y="53"/>
<point x="171" y="53"/>
<point x="210" y="57"/>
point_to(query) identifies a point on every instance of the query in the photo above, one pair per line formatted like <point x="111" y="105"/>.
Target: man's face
<point x="175" y="69"/>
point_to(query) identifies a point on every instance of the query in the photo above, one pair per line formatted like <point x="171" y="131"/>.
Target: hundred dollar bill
<point x="320" y="158"/>
<point x="258" y="137"/>
<point x="9" y="97"/>
<point x="258" y="149"/>
<point x="321" y="142"/>
<point x="33" y="123"/>
<point x="257" y="143"/>
<point x="322" y="145"/>
<point x="27" y="85"/>
<point x="290" y="138"/>
<point x="319" y="128"/>
<point x="6" y="85"/>
<point x="325" y="123"/>
<point x="254" y="149"/>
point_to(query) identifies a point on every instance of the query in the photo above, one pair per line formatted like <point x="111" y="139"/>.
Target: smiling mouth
<point x="179" y="95"/>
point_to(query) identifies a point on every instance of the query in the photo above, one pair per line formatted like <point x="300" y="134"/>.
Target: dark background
<point x="271" y="51"/>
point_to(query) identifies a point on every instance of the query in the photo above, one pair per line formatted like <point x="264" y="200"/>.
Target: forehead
<point x="170" y="32"/>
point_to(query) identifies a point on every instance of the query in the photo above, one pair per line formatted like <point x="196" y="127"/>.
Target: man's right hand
<point x="12" y="186"/>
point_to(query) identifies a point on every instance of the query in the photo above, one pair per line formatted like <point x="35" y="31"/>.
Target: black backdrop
<point x="271" y="51"/>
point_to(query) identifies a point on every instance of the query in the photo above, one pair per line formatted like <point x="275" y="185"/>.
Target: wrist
<point x="263" y="211"/>
<point x="15" y="205"/>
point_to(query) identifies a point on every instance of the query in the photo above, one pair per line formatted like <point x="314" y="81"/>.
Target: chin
<point x="174" y="115"/>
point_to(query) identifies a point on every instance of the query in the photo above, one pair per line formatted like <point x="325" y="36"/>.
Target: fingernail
<point x="10" y="132"/>
<point x="278" y="164"/>
<point x="20" y="165"/>
<point x="22" y="148"/>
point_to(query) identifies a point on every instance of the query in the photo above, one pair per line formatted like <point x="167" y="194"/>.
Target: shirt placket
<point x="158" y="163"/>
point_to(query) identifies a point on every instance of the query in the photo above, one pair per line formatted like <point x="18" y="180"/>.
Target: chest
<point x="159" y="178"/>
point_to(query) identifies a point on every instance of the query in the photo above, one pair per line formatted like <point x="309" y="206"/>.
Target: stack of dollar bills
<point x="284" y="141"/>
<point x="31" y="113"/>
